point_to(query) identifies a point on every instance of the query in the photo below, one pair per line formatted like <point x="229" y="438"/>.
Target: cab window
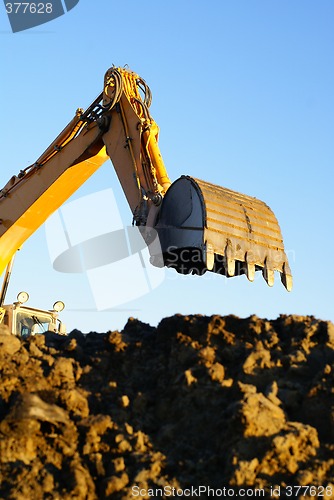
<point x="31" y="324"/>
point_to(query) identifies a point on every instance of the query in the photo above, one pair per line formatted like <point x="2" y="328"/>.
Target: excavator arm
<point x="200" y="226"/>
<point x="116" y="125"/>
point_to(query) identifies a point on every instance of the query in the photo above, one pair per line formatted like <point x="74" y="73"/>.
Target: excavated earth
<point x="244" y="407"/>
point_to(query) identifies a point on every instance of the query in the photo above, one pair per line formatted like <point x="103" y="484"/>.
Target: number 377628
<point x="28" y="8"/>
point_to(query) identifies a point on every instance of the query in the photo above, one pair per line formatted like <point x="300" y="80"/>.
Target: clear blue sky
<point x="243" y="95"/>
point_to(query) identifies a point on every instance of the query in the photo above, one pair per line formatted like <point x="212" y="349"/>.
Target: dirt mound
<point x="227" y="404"/>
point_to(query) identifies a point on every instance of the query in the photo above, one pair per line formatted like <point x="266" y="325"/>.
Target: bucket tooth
<point x="250" y="271"/>
<point x="210" y="257"/>
<point x="250" y="266"/>
<point x="268" y="274"/>
<point x="230" y="267"/>
<point x="229" y="260"/>
<point x="286" y="277"/>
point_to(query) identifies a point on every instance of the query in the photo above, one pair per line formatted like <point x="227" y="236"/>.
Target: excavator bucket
<point x="203" y="227"/>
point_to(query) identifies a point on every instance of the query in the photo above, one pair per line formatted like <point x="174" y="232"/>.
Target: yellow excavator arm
<point x="200" y="226"/>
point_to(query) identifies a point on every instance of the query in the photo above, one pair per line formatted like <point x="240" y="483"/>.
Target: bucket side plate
<point x="233" y="233"/>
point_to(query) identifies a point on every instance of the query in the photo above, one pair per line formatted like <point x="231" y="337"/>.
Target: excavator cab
<point x="23" y="321"/>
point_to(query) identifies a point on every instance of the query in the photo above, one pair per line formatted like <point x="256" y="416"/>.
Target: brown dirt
<point x="198" y="401"/>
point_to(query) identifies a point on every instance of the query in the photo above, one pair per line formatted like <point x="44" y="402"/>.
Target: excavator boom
<point x="200" y="226"/>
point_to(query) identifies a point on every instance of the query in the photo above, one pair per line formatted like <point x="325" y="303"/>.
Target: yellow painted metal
<point x="204" y="227"/>
<point x="2" y="314"/>
<point x="40" y="195"/>
<point x="244" y="229"/>
<point x="63" y="138"/>
<point x="156" y="176"/>
<point x="149" y="127"/>
<point x="153" y="151"/>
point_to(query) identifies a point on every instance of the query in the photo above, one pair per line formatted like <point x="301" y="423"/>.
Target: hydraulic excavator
<point x="199" y="226"/>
